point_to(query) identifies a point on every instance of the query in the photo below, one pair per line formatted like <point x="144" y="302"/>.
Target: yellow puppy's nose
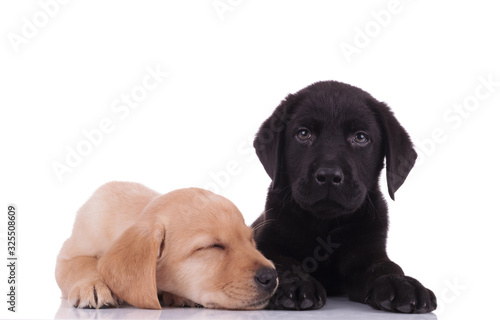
<point x="266" y="278"/>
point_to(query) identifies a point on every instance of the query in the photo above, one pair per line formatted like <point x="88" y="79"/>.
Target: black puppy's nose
<point x="266" y="278"/>
<point x="329" y="175"/>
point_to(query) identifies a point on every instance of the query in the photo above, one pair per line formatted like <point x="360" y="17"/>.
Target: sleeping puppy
<point x="325" y="223"/>
<point x="190" y="246"/>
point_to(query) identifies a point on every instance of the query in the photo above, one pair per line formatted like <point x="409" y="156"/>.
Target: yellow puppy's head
<point x="194" y="244"/>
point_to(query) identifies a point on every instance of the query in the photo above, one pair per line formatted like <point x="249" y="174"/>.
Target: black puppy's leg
<point x="384" y="286"/>
<point x="297" y="289"/>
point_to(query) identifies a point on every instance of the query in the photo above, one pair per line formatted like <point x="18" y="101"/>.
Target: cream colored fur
<point x="131" y="243"/>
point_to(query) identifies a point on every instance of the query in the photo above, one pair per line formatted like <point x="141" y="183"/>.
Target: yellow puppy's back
<point x="110" y="210"/>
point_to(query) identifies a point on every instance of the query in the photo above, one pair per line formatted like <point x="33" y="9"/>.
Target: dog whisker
<point x="262" y="224"/>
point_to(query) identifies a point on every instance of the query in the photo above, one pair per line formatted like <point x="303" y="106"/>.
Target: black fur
<point x="325" y="223"/>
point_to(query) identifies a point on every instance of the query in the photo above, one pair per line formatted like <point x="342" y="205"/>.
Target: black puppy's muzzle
<point x="329" y="176"/>
<point x="328" y="189"/>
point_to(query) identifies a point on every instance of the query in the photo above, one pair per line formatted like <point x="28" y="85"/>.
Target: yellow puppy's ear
<point x="129" y="266"/>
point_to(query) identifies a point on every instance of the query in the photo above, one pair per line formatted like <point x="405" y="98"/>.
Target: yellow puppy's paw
<point x="92" y="294"/>
<point x="171" y="300"/>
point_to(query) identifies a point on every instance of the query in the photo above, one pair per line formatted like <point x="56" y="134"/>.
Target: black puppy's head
<point x="327" y="142"/>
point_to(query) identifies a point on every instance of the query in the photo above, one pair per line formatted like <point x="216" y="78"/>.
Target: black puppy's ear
<point x="269" y="142"/>
<point x="399" y="153"/>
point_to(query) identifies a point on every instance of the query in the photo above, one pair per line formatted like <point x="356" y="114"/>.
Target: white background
<point x="227" y="71"/>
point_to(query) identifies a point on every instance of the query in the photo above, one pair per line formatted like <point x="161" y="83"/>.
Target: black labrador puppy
<point x="325" y="223"/>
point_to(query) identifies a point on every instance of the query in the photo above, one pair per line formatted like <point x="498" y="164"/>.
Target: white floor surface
<point x="336" y="308"/>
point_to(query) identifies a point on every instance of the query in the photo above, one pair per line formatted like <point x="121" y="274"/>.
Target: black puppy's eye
<point x="303" y="134"/>
<point x="360" y="138"/>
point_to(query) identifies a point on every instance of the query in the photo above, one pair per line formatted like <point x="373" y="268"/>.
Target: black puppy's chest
<point x="319" y="249"/>
<point x="322" y="248"/>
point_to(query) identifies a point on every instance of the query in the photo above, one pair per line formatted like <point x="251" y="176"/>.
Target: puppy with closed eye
<point x="325" y="223"/>
<point x="190" y="247"/>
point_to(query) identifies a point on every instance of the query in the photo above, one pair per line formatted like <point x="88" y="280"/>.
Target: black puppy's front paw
<point x="401" y="294"/>
<point x="298" y="293"/>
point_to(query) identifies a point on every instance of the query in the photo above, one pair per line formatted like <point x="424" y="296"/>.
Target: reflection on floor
<point x="335" y="308"/>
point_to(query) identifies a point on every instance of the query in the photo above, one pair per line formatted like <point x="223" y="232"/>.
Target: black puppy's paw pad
<point x="289" y="303"/>
<point x="401" y="294"/>
<point x="305" y="302"/>
<point x="406" y="308"/>
<point x="296" y="293"/>
<point x="386" y="305"/>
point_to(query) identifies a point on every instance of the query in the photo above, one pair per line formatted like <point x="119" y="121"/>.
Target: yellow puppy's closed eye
<point x="212" y="246"/>
<point x="218" y="246"/>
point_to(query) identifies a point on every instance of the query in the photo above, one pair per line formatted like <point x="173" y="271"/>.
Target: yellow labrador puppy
<point x="190" y="247"/>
